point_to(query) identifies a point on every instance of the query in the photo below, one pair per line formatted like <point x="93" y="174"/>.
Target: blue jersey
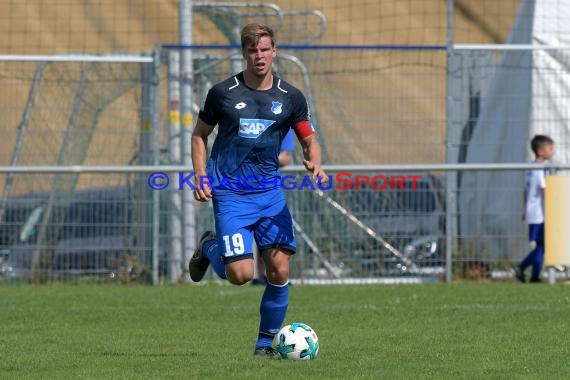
<point x="251" y="126"/>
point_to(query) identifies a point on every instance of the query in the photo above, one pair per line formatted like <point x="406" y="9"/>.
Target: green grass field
<point x="463" y="331"/>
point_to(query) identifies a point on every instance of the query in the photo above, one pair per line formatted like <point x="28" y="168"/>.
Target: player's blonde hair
<point x="251" y="33"/>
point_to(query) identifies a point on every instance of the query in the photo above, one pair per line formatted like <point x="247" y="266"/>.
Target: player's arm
<point x="312" y="161"/>
<point x="199" y="143"/>
<point x="311" y="150"/>
<point x="284" y="158"/>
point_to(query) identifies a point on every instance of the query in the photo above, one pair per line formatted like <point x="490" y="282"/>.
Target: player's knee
<point x="240" y="272"/>
<point x="239" y="279"/>
<point x="278" y="275"/>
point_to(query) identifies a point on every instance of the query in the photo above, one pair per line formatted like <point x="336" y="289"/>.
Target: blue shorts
<point x="536" y="233"/>
<point x="262" y="216"/>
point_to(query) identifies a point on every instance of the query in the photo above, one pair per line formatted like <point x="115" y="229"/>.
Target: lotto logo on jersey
<point x="252" y="128"/>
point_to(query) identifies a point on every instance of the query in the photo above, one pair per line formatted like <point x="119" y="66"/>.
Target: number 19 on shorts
<point x="234" y="244"/>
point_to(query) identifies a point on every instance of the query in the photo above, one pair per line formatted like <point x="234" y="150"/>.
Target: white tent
<point x="527" y="93"/>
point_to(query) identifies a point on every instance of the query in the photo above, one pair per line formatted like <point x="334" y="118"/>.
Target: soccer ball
<point x="296" y="341"/>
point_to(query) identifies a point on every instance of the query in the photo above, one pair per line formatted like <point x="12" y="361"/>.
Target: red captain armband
<point x="303" y="129"/>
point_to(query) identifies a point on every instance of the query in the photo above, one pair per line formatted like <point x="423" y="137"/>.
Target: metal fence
<point x="372" y="224"/>
<point x="390" y="229"/>
<point x="73" y="111"/>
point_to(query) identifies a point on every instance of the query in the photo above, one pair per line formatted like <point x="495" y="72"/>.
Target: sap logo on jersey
<point x="252" y="128"/>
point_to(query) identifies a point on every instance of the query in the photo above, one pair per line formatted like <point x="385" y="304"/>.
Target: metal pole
<point x="145" y="205"/>
<point x="154" y="105"/>
<point x="175" y="220"/>
<point x="186" y="98"/>
<point x="22" y="130"/>
<point x="353" y="169"/>
<point x="451" y="176"/>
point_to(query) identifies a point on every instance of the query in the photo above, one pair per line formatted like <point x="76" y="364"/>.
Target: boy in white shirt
<point x="543" y="148"/>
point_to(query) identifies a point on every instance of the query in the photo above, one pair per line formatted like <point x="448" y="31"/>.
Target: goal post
<point x="75" y="110"/>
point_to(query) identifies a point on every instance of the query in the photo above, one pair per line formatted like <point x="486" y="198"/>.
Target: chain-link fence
<point x="73" y="111"/>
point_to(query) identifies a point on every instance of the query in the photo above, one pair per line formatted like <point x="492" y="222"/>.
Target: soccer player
<point x="254" y="110"/>
<point x="543" y="148"/>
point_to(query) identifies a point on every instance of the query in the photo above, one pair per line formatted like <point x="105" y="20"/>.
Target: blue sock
<point x="272" y="309"/>
<point x="538" y="263"/>
<point x="211" y="251"/>
<point x="530" y="259"/>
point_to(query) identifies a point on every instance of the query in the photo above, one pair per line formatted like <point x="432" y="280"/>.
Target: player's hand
<point x="203" y="192"/>
<point x="317" y="172"/>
